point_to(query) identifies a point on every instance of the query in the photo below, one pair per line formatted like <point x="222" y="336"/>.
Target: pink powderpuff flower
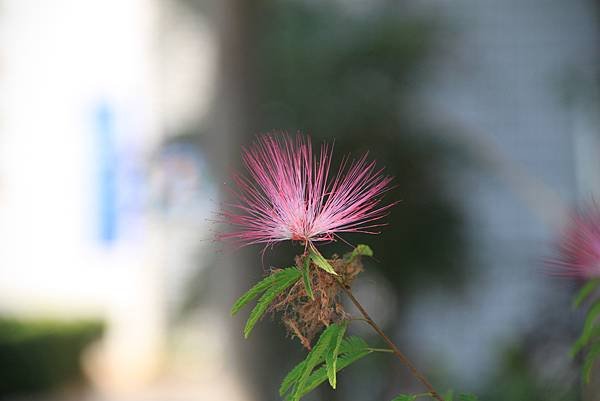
<point x="580" y="246"/>
<point x="290" y="194"/>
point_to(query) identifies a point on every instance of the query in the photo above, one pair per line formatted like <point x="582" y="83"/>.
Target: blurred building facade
<point x="519" y="87"/>
<point x="102" y="215"/>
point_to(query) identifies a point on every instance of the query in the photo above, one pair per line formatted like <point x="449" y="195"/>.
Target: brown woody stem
<point x="393" y="346"/>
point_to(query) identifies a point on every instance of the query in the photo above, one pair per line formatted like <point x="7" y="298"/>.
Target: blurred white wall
<point x="62" y="63"/>
<point x="87" y="91"/>
<point x="65" y="67"/>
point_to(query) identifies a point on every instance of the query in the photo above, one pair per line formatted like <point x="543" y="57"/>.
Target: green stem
<point x="381" y="350"/>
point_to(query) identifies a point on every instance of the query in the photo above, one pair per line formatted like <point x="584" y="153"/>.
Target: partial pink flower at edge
<point x="579" y="249"/>
<point x="290" y="193"/>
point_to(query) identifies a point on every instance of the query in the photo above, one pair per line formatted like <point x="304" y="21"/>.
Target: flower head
<point x="289" y="194"/>
<point x="580" y="245"/>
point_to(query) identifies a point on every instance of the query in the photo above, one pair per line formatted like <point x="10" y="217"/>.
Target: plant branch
<point x="391" y="351"/>
<point x="393" y="346"/>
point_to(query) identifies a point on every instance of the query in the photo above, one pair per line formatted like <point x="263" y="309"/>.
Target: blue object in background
<point x="104" y="131"/>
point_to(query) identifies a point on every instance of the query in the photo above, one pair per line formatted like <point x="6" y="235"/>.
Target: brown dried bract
<point x="304" y="317"/>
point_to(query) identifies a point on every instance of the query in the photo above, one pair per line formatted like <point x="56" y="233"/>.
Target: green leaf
<point x="332" y="354"/>
<point x="585" y="292"/>
<point x="315" y="356"/>
<point x="405" y="397"/>
<point x="321" y="261"/>
<point x="353" y="344"/>
<point x="267" y="298"/>
<point x="306" y="277"/>
<point x="589" y="361"/>
<point x="350" y="352"/>
<point x="467" y="397"/>
<point x="291" y="378"/>
<point x="361" y="250"/>
<point x="588" y="328"/>
<point x="449" y="395"/>
<point x="581" y="342"/>
<point x="262" y="285"/>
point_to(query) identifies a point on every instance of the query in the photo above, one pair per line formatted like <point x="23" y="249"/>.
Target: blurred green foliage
<point x="42" y="355"/>
<point x="351" y="79"/>
<point x="518" y="379"/>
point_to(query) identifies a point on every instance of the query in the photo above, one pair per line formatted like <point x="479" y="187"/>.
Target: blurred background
<point x="121" y="121"/>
